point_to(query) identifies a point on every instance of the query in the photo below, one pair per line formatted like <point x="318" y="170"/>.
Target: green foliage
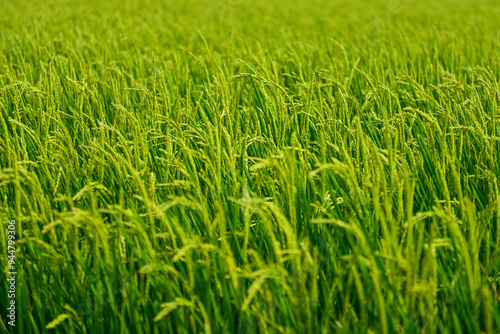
<point x="303" y="166"/>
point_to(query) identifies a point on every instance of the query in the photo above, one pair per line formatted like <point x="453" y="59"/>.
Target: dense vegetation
<point x="266" y="166"/>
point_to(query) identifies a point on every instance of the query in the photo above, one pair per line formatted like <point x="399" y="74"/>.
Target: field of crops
<point x="250" y="166"/>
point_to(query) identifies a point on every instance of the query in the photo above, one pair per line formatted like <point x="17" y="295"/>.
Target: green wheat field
<point x="251" y="166"/>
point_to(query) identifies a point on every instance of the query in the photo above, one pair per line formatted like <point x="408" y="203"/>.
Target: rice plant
<point x="264" y="166"/>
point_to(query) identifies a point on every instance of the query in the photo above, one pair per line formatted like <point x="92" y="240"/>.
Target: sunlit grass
<point x="251" y="166"/>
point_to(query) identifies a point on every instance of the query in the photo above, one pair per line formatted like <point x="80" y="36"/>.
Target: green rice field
<point x="250" y="166"/>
